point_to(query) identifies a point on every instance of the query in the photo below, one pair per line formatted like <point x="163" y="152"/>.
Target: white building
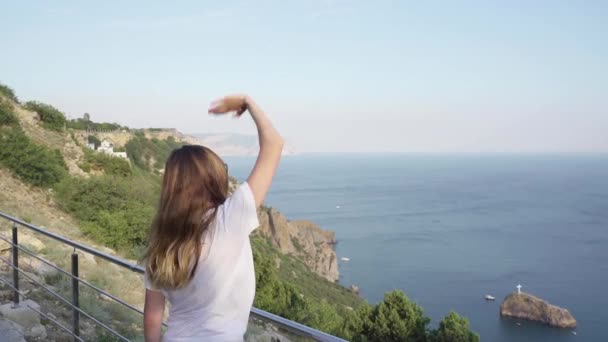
<point x="107" y="147"/>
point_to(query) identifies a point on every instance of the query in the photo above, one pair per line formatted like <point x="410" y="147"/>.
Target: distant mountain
<point x="232" y="144"/>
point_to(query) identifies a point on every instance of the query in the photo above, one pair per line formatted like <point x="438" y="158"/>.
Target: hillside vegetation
<point x="33" y="163"/>
<point x="150" y="154"/>
<point x="7" y="117"/>
<point x="112" y="201"/>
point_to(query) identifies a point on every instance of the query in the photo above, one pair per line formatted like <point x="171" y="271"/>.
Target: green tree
<point x="396" y="318"/>
<point x="454" y="328"/>
<point x="322" y="316"/>
<point x="50" y="116"/>
<point x="91" y="139"/>
<point x="353" y="328"/>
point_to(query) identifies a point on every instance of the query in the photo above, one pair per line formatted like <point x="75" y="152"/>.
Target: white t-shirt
<point x="215" y="305"/>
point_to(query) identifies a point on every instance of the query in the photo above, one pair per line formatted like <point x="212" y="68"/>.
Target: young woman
<point x="199" y="257"/>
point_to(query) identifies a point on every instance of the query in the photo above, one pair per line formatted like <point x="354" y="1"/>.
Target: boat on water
<point x="490" y="297"/>
<point x="344" y="259"/>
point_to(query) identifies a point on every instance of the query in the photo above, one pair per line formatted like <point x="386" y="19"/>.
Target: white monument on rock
<point x="519" y="288"/>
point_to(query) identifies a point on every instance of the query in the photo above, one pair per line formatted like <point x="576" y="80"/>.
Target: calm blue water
<point x="450" y="229"/>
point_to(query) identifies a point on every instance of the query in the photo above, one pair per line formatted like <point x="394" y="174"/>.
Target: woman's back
<point x="199" y="256"/>
<point x="215" y="305"/>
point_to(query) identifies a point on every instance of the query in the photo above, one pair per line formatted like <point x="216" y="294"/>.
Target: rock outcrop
<point x="303" y="239"/>
<point x="527" y="306"/>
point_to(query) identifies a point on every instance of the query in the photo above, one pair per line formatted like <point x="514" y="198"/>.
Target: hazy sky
<point x="412" y="76"/>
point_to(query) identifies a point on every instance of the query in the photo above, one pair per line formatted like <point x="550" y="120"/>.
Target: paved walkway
<point x="10" y="331"/>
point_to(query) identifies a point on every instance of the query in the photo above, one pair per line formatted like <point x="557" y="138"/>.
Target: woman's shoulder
<point x="239" y="212"/>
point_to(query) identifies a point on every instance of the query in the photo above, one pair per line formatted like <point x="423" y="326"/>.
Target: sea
<point x="449" y="229"/>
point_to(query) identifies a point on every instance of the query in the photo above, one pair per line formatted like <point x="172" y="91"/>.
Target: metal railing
<point x="282" y="323"/>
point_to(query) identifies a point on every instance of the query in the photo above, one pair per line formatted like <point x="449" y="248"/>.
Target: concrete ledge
<point x="27" y="318"/>
<point x="11" y="331"/>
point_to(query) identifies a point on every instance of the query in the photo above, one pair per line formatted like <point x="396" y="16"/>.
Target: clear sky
<point x="401" y="76"/>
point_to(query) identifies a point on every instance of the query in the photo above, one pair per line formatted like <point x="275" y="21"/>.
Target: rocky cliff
<point x="532" y="308"/>
<point x="303" y="239"/>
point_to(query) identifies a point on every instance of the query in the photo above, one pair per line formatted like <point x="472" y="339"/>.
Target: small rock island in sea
<point x="526" y="306"/>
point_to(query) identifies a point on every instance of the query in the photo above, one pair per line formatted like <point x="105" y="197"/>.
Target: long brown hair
<point x="195" y="183"/>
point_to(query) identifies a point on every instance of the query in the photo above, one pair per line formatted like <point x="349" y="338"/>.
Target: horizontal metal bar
<point x="65" y="300"/>
<point x="295" y="327"/>
<point x="77" y="245"/>
<point x="73" y="277"/>
<point x="40" y="312"/>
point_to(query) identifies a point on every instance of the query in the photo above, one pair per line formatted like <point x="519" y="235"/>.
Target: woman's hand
<point x="227" y="104"/>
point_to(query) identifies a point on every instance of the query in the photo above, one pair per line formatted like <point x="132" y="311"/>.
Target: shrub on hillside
<point x="50" y="116"/>
<point x="7" y="114"/>
<point x="35" y="164"/>
<point x="8" y="93"/>
<point x="116" y="211"/>
<point x="122" y="229"/>
<point x="287" y="301"/>
<point x="103" y="162"/>
<point x="86" y="124"/>
<point x="150" y="154"/>
<point x="84" y="197"/>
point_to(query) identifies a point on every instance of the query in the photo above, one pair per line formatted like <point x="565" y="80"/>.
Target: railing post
<point x="15" y="266"/>
<point x="75" y="297"/>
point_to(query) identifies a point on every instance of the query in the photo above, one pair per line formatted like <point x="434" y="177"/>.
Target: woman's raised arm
<point x="271" y="143"/>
